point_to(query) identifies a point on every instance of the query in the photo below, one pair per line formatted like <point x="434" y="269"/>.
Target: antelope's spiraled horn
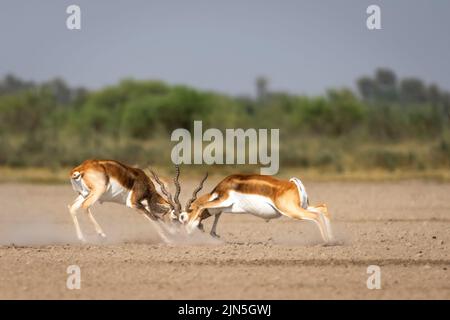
<point x="163" y="190"/>
<point x="196" y="191"/>
<point x="177" y="190"/>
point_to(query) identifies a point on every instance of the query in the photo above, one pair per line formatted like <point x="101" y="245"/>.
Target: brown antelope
<point x="260" y="195"/>
<point x="112" y="181"/>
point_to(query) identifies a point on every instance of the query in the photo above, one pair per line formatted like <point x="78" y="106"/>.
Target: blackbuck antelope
<point x="112" y="181"/>
<point x="260" y="195"/>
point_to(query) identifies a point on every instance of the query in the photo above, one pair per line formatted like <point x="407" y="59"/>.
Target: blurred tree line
<point x="389" y="123"/>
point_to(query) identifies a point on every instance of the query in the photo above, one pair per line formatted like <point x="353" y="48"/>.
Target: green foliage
<point x="389" y="159"/>
<point x="51" y="124"/>
<point x="337" y="114"/>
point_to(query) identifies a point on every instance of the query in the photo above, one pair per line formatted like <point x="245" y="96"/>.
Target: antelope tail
<point x="302" y="192"/>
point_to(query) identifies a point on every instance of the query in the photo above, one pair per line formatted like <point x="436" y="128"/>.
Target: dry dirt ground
<point x="402" y="227"/>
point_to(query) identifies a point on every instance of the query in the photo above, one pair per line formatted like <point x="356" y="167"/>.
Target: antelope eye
<point x="183" y="217"/>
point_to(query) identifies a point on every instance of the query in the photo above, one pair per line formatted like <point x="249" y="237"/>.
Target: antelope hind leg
<point x="97" y="227"/>
<point x="297" y="212"/>
<point x="73" y="213"/>
<point x="323" y="211"/>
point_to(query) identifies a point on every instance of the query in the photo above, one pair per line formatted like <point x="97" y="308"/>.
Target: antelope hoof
<point x="331" y="243"/>
<point x="215" y="235"/>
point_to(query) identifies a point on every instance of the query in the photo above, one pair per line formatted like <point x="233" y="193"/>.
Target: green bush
<point x="50" y="124"/>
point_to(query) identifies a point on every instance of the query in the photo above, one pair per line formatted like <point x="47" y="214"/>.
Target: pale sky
<point x="301" y="46"/>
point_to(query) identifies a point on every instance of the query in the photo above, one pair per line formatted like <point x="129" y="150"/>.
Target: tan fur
<point x="284" y="195"/>
<point x="97" y="173"/>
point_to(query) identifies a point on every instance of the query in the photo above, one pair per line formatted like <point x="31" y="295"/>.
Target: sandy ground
<point x="402" y="227"/>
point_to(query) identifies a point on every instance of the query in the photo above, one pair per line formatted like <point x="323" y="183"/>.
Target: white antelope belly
<point x="115" y="192"/>
<point x="254" y="204"/>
